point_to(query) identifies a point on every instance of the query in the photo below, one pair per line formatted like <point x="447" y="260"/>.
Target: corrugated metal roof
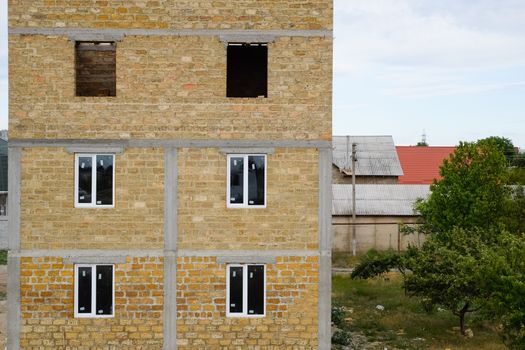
<point x="380" y="200"/>
<point x="376" y="155"/>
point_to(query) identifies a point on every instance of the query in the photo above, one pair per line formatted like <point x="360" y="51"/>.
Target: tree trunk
<point x="462" y="313"/>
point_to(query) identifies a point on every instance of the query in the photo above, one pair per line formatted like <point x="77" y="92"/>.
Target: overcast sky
<point x="454" y="68"/>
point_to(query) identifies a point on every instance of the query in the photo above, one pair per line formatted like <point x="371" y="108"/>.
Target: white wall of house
<point x="377" y="232"/>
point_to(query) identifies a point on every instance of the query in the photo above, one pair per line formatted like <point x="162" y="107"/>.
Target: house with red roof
<point x="421" y="164"/>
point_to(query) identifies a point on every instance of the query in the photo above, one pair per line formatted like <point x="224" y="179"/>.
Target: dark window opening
<point x="247" y="70"/>
<point x="95" y="67"/>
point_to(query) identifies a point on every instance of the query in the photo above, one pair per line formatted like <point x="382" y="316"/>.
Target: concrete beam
<point x="91" y="253"/>
<point x="249" y="150"/>
<point x="246" y="253"/>
<point x="246" y="259"/>
<point x="95" y="149"/>
<point x="85" y="34"/>
<point x="174" y="143"/>
<point x="95" y="260"/>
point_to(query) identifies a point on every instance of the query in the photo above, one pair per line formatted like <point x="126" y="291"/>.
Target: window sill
<point x="94" y="206"/>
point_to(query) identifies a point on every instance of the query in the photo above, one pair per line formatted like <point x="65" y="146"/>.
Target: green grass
<point x="403" y="322"/>
<point x="3" y="257"/>
<point x="344" y="260"/>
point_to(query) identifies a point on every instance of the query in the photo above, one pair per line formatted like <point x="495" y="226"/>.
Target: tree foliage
<point x="474" y="256"/>
<point x="446" y="271"/>
<point x="472" y="191"/>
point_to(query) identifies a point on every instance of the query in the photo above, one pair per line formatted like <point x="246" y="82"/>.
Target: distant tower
<point x="423" y="141"/>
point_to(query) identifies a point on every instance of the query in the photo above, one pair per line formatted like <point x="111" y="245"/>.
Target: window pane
<point x="236" y="180"/>
<point x="104" y="180"/>
<point x="84" y="290"/>
<point x="84" y="179"/>
<point x="235" y="276"/>
<point x="256" y="180"/>
<point x="255" y="290"/>
<point x="104" y="280"/>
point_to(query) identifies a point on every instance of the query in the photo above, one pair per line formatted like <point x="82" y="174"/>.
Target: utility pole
<point x="354" y="159"/>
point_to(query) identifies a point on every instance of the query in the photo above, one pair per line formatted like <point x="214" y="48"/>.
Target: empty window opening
<point x="247" y="70"/>
<point x="94" y="290"/>
<point x="246" y="291"/>
<point x="95" y="66"/>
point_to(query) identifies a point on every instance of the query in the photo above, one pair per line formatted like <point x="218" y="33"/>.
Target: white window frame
<point x="93" y="313"/>
<point x="93" y="203"/>
<point x="244" y="312"/>
<point x="245" y="204"/>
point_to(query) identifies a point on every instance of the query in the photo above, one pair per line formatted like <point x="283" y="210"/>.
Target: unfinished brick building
<point x="169" y="178"/>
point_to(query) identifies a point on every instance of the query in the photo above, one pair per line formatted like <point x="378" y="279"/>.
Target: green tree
<point x="446" y="271"/>
<point x="472" y="191"/>
<point x="504" y="280"/>
<point x="504" y="145"/>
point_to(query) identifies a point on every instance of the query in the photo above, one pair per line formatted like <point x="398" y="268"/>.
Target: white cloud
<point x="427" y="44"/>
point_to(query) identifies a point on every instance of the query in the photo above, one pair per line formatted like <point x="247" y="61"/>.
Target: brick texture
<point x="49" y="219"/>
<point x="289" y="221"/>
<point x="169" y="14"/>
<point x="170" y="87"/>
<point x="47" y="297"/>
<point x="291" y="307"/>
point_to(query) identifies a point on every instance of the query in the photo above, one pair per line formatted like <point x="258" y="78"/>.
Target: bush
<point x="341" y="337"/>
<point x="3" y="257"/>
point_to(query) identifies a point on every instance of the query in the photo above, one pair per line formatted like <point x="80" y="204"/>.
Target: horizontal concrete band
<point x="236" y="145"/>
<point x="232" y="35"/>
<point x="85" y="254"/>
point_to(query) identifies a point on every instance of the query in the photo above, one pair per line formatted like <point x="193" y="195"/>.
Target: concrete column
<point x="170" y="249"/>
<point x="325" y="249"/>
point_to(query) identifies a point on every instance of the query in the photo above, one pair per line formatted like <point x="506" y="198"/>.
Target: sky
<point x="452" y="69"/>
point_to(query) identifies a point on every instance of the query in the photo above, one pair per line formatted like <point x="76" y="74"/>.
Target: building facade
<point x="169" y="174"/>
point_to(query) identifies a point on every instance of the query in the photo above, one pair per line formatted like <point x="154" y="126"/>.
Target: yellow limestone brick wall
<point x="49" y="219"/>
<point x="291" y="307"/>
<point x="289" y="221"/>
<point x="47" y="296"/>
<point x="170" y="87"/>
<point x="169" y="14"/>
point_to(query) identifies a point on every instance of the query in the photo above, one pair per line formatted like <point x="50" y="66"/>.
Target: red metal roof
<point x="421" y="164"/>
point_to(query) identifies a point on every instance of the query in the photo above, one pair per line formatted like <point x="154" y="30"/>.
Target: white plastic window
<point x="246" y="181"/>
<point x="246" y="290"/>
<point x="94" y="180"/>
<point x="94" y="291"/>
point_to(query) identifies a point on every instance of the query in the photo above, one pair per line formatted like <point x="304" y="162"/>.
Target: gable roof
<point x="378" y="200"/>
<point x="376" y="155"/>
<point x="421" y="164"/>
